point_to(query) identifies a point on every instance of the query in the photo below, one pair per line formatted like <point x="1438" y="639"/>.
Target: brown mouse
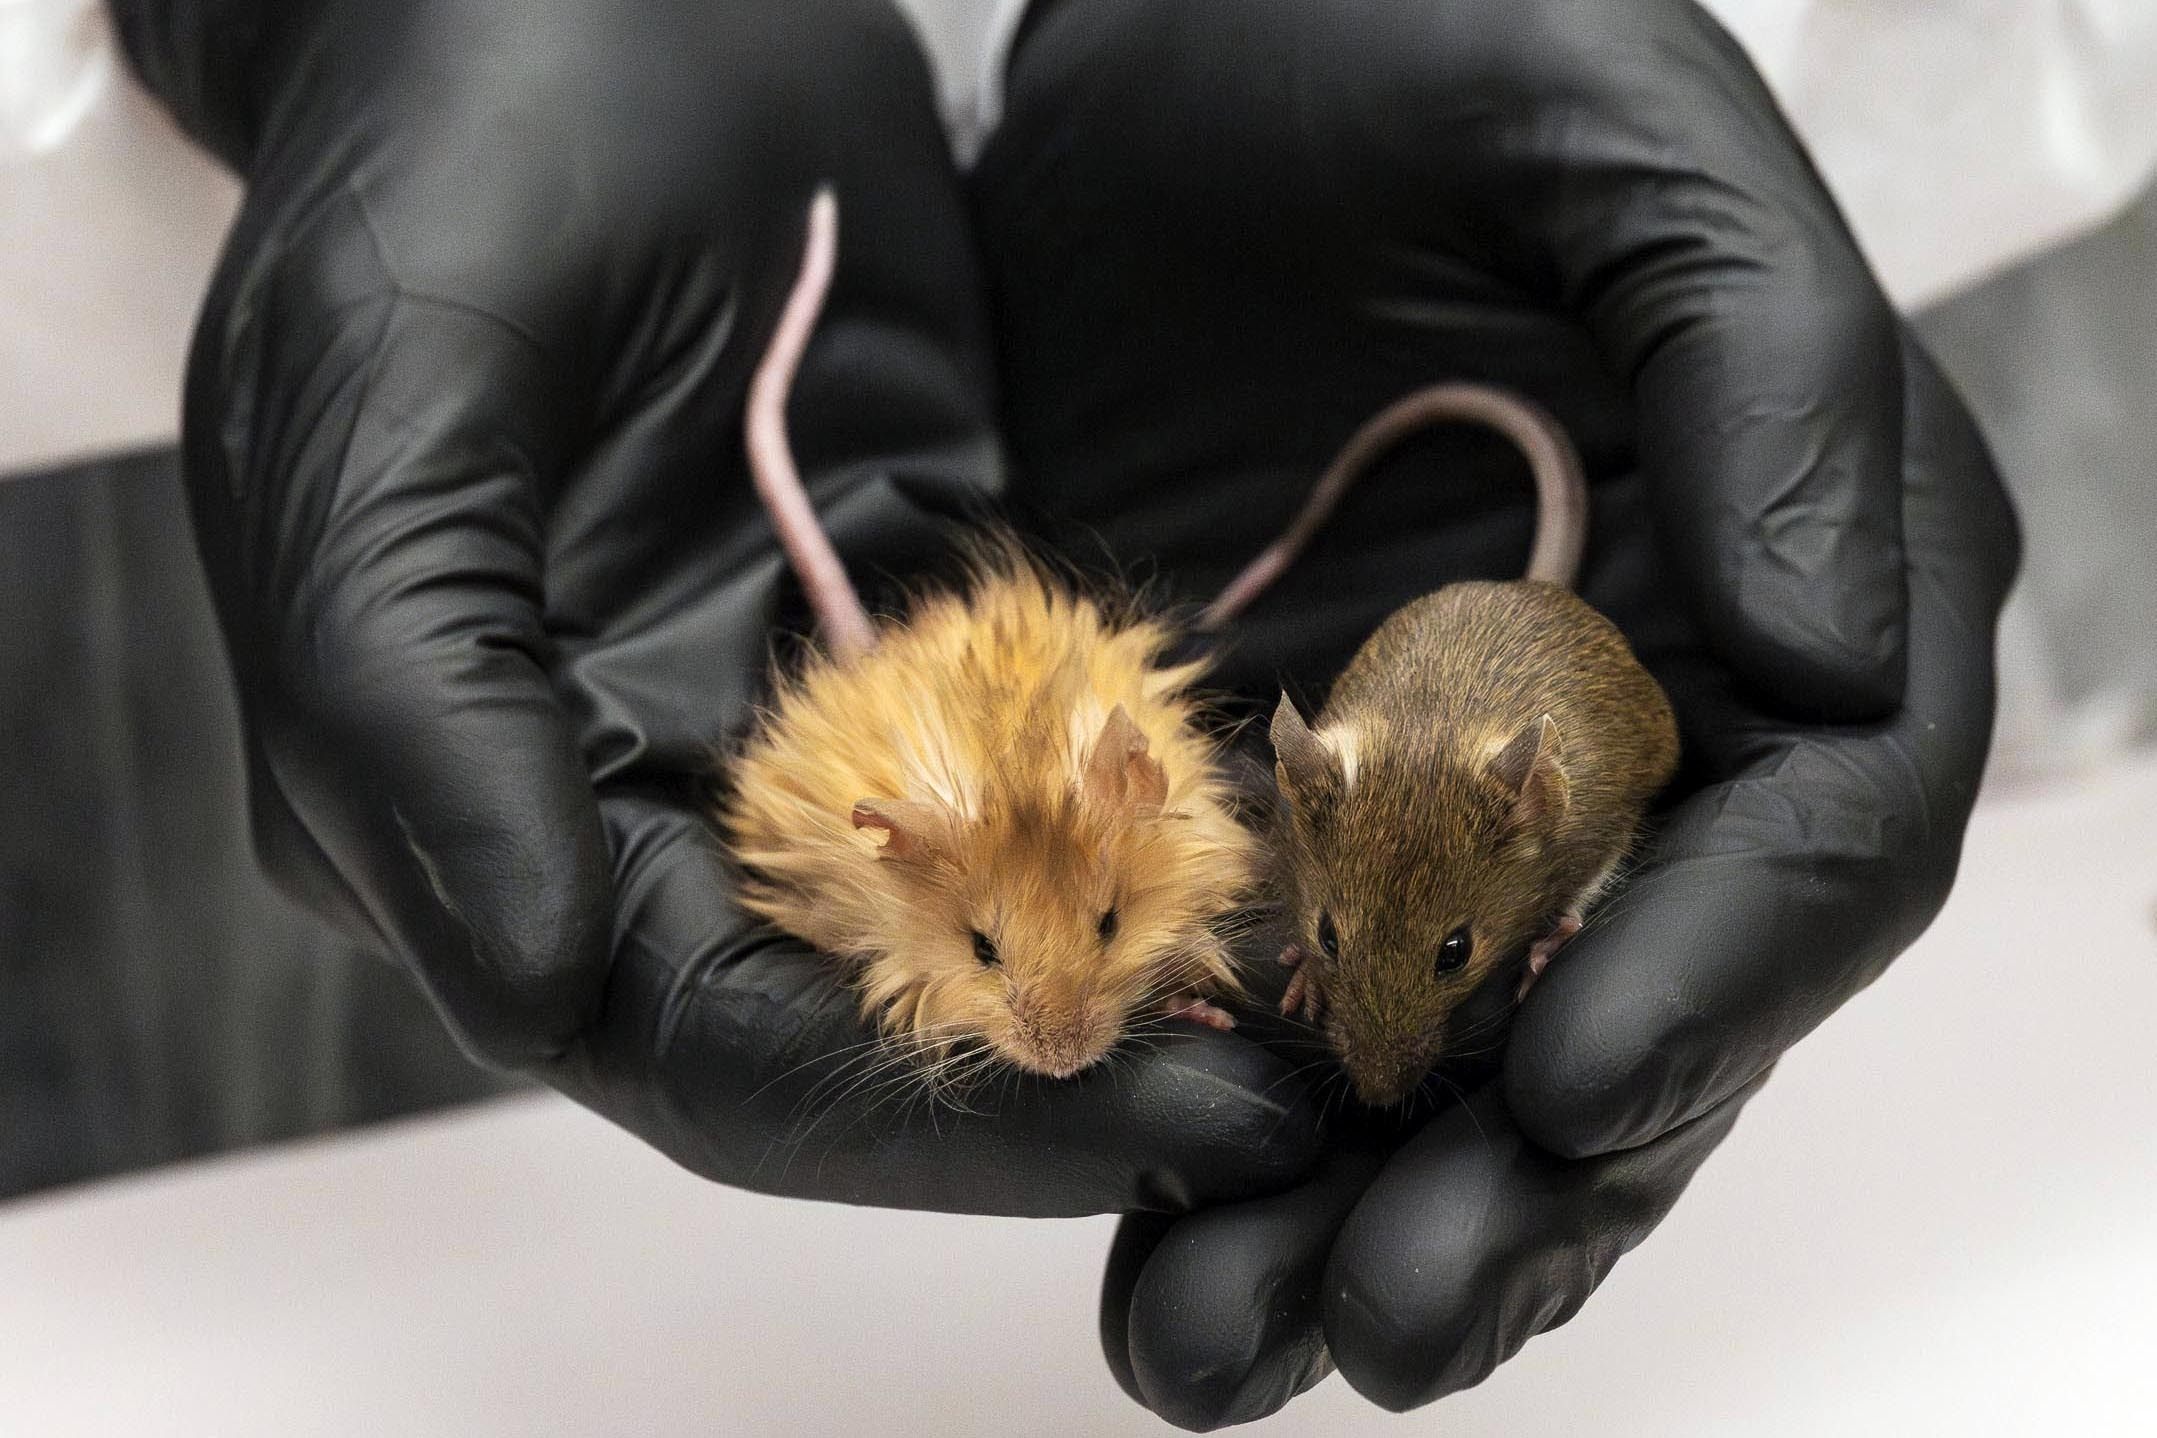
<point x="1474" y="781"/>
<point x="1001" y="811"/>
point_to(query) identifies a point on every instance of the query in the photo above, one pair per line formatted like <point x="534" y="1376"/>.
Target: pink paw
<point x="1539" y="955"/>
<point x="1302" y="990"/>
<point x="1199" y="1011"/>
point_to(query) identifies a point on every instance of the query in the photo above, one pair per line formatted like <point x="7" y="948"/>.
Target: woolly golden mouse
<point x="1001" y="810"/>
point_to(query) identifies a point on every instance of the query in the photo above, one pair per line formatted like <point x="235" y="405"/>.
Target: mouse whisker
<point x="830" y="1056"/>
<point x="833" y="1088"/>
<point x="1461" y="1096"/>
<point x="897" y="1060"/>
<point x="1295" y="1073"/>
<point x="847" y="1095"/>
<point x="855" y="1062"/>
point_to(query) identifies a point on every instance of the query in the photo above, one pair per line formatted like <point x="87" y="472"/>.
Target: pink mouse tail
<point x="839" y="614"/>
<point x="1561" y="489"/>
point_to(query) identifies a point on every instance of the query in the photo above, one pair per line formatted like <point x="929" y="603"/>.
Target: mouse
<point x="1472" y="786"/>
<point x="1003" y="810"/>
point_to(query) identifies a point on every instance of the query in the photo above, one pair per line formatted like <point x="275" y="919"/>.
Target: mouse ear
<point x="1121" y="770"/>
<point x="1304" y="764"/>
<point x="902" y="828"/>
<point x="1529" y="770"/>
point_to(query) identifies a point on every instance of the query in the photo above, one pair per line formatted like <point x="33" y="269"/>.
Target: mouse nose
<point x="1064" y="1067"/>
<point x="1384" y="1083"/>
<point x="1381" y="1092"/>
<point x="1059" y="1056"/>
<point x="1058" y="1035"/>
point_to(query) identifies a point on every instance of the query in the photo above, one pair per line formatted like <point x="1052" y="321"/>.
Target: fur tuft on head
<point x="1005" y="817"/>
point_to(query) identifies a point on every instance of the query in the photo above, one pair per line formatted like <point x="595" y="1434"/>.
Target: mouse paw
<point x="1302" y="991"/>
<point x="1539" y="955"/>
<point x="1199" y="1011"/>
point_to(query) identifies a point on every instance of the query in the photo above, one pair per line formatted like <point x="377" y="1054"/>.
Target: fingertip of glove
<point x="1405" y="1299"/>
<point x="490" y="878"/>
<point x="1577" y="1098"/>
<point x="1382" y="1359"/>
<point x="1137" y="1235"/>
<point x="1219" y="1331"/>
<point x="1251" y="1127"/>
<point x="1219" y="1381"/>
<point x="1563" y="1125"/>
<point x="534" y="978"/>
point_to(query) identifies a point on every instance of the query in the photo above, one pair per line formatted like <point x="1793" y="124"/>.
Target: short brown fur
<point x="1484" y="761"/>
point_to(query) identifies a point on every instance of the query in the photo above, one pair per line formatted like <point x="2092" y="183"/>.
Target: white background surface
<point x="1937" y="1218"/>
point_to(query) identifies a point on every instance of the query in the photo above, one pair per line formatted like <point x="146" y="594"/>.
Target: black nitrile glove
<point x="1224" y="232"/>
<point x="462" y="440"/>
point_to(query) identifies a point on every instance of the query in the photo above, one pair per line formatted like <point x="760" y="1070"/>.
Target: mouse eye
<point x="1453" y="953"/>
<point x="1108" y="925"/>
<point x="985" y="950"/>
<point x="1329" y="938"/>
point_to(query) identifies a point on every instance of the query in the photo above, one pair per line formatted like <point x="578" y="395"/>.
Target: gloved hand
<point x="462" y="441"/>
<point x="1224" y="232"/>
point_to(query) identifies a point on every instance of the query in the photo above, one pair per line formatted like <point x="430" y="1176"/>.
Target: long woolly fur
<point x="986" y="700"/>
